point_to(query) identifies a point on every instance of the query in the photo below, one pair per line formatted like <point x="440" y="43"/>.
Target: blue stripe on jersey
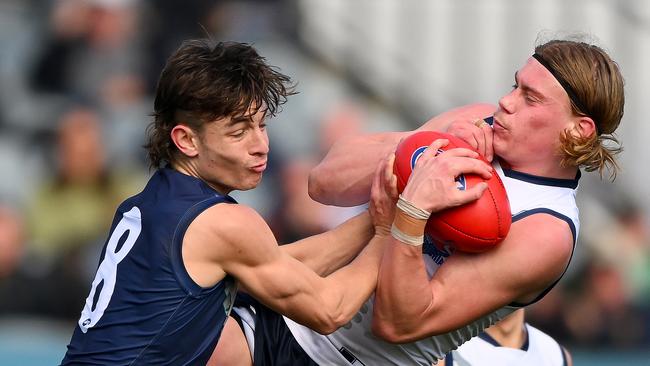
<point x="544" y="181"/>
<point x="572" y="226"/>
<point x="558" y="215"/>
<point x="488" y="338"/>
<point x="524" y="347"/>
<point x="449" y="359"/>
<point x="154" y="314"/>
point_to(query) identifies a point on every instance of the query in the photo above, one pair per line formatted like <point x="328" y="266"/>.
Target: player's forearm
<point x="323" y="304"/>
<point x="326" y="304"/>
<point x="344" y="177"/>
<point x="327" y="252"/>
<point x="403" y="295"/>
<point x="351" y="286"/>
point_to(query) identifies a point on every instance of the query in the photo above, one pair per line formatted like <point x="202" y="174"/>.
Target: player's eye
<point x="238" y="133"/>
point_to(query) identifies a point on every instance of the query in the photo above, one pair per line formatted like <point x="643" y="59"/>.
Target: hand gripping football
<point x="474" y="227"/>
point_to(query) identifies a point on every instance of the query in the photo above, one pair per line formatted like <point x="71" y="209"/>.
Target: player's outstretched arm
<point x="409" y="306"/>
<point x="344" y="176"/>
<point x="325" y="253"/>
<point x="242" y="245"/>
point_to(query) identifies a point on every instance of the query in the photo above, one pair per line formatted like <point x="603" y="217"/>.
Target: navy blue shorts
<point x="274" y="343"/>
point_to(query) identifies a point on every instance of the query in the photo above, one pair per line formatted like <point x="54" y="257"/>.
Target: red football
<point x="474" y="227"/>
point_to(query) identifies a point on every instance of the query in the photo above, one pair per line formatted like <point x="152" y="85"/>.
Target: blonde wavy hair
<point x="597" y="83"/>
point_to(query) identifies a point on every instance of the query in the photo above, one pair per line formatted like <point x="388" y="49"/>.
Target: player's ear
<point x="584" y="127"/>
<point x="185" y="140"/>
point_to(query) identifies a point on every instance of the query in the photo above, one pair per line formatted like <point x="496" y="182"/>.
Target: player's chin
<point x="499" y="145"/>
<point x="250" y="182"/>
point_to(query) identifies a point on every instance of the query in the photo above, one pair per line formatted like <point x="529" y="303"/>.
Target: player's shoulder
<point x="536" y="333"/>
<point x="549" y="237"/>
<point x="226" y="229"/>
<point x="545" y="228"/>
<point x="230" y="217"/>
<point x="540" y="247"/>
<point x="542" y="343"/>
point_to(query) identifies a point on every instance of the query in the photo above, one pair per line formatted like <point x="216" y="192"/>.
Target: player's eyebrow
<point x="239" y="119"/>
<point x="529" y="89"/>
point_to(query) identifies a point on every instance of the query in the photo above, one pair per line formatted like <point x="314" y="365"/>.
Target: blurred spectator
<point x="624" y="244"/>
<point x="54" y="292"/>
<point x="74" y="208"/>
<point x="170" y="24"/>
<point x="93" y="45"/>
<point x="237" y="20"/>
<point x="45" y="270"/>
<point x="342" y="121"/>
<point x="69" y="24"/>
<point x="605" y="301"/>
<point x="548" y="314"/>
<point x="297" y="215"/>
<point x="600" y="313"/>
<point x="12" y="241"/>
<point x="95" y="54"/>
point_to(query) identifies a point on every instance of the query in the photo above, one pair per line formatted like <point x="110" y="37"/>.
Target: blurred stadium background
<point x="77" y="79"/>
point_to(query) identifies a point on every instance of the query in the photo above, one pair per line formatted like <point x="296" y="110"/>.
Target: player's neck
<point x="513" y="339"/>
<point x="509" y="332"/>
<point x="189" y="169"/>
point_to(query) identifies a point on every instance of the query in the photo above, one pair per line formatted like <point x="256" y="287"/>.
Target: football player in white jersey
<point x="566" y="103"/>
<point x="510" y="342"/>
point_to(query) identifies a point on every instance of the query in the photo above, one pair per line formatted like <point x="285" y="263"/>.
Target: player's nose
<point x="260" y="142"/>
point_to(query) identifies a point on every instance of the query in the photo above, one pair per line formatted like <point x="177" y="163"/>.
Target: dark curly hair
<point x="202" y="82"/>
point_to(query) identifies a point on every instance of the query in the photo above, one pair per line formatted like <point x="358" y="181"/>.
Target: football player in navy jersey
<point x="177" y="251"/>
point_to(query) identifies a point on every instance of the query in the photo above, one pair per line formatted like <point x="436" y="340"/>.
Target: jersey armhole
<point x="180" y="272"/>
<point x="574" y="233"/>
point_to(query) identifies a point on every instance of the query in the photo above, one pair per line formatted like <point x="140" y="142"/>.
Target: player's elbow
<point x="317" y="185"/>
<point x="400" y="330"/>
<point x="325" y="328"/>
<point x="389" y="332"/>
<point x="329" y="321"/>
<point x="386" y="332"/>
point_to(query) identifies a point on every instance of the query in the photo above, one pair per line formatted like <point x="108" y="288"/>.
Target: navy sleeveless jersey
<point x="143" y="307"/>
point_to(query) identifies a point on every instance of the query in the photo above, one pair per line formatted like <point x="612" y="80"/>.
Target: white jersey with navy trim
<point x="354" y="343"/>
<point x="539" y="350"/>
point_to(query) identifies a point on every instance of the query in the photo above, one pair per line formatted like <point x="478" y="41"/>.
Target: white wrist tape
<point x="412" y="210"/>
<point x="398" y="234"/>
